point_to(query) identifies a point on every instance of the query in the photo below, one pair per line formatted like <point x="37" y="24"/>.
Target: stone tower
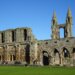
<point x="66" y="26"/>
<point x="54" y="27"/>
<point x="68" y="30"/>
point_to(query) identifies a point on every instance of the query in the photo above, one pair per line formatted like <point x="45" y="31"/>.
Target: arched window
<point x="73" y="50"/>
<point x="27" y="54"/>
<point x="45" y="58"/>
<point x="55" y="51"/>
<point x="66" y="52"/>
<point x="56" y="57"/>
<point x="62" y="33"/>
<point x="12" y="57"/>
<point x="3" y="37"/>
<point x="13" y="36"/>
<point x="25" y="34"/>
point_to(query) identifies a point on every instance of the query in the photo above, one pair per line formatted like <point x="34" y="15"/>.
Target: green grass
<point x="22" y="70"/>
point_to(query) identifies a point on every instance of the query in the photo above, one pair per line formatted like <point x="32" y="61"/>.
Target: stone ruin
<point x="19" y="46"/>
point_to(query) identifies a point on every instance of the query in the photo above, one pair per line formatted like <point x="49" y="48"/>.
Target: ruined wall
<point x="55" y="50"/>
<point x="17" y="45"/>
<point x="20" y="45"/>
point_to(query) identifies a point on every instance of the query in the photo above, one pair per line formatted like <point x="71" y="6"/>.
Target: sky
<point x="35" y="14"/>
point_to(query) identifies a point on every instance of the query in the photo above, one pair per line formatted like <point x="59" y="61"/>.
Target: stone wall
<point x="56" y="49"/>
<point x="20" y="45"/>
<point x="16" y="44"/>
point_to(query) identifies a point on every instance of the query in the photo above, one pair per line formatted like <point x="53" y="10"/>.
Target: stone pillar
<point x="57" y="59"/>
<point x="12" y="57"/>
<point x="19" y="55"/>
<point x="18" y="52"/>
<point x="61" y="60"/>
<point x="30" y="54"/>
<point x="7" y="56"/>
<point x="7" y="53"/>
<point x="4" y="54"/>
<point x="41" y="59"/>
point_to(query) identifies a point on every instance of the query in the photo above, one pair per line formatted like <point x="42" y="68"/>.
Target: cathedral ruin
<point x="20" y="45"/>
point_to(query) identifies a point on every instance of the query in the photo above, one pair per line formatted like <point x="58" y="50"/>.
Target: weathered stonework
<point x="20" y="45"/>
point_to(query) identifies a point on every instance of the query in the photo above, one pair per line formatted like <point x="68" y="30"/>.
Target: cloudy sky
<point x="35" y="14"/>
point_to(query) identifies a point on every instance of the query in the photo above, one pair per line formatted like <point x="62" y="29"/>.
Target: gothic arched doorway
<point x="45" y="58"/>
<point x="56" y="57"/>
<point x="66" y="56"/>
<point x="27" y="54"/>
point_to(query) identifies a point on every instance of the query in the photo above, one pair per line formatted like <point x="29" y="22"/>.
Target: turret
<point x="54" y="27"/>
<point x="69" y="24"/>
<point x="54" y="19"/>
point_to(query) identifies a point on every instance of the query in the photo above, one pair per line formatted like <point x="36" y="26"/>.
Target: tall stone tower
<point x="68" y="30"/>
<point x="66" y="26"/>
<point x="54" y="27"/>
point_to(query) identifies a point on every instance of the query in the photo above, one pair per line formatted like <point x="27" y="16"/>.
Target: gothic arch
<point x="66" y="52"/>
<point x="27" y="54"/>
<point x="25" y="34"/>
<point x="45" y="58"/>
<point x="12" y="57"/>
<point x="65" y="56"/>
<point x="56" y="57"/>
<point x="12" y="53"/>
<point x="62" y="32"/>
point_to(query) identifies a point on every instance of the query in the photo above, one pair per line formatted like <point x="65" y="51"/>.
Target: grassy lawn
<point x="22" y="70"/>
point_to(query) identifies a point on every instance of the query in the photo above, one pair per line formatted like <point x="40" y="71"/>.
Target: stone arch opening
<point x="73" y="50"/>
<point x="66" y="56"/>
<point x="12" y="57"/>
<point x="13" y="36"/>
<point x="3" y="37"/>
<point x="61" y="32"/>
<point x="25" y="34"/>
<point x="27" y="54"/>
<point x="56" y="56"/>
<point x="66" y="52"/>
<point x="45" y="58"/>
